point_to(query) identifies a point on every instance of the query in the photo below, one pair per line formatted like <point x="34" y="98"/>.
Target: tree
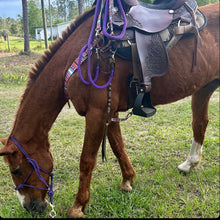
<point x="72" y="10"/>
<point x="26" y="28"/>
<point x="44" y="24"/>
<point x="34" y="16"/>
<point x="51" y="28"/>
<point x="14" y="28"/>
<point x="61" y="9"/>
<point x="80" y="6"/>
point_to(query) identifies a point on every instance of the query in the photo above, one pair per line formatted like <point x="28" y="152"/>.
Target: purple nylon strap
<point x="88" y="47"/>
<point x="90" y="40"/>
<point x="118" y="37"/>
<point x="37" y="169"/>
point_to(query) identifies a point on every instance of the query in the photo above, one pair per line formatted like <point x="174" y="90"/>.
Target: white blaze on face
<point x="21" y="198"/>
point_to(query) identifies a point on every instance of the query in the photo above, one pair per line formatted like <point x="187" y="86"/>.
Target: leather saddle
<point x="152" y="30"/>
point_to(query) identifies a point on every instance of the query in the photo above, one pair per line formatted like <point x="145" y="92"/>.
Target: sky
<point x="10" y="8"/>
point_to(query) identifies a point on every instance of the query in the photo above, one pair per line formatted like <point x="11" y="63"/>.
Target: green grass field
<point x="16" y="44"/>
<point x="155" y="146"/>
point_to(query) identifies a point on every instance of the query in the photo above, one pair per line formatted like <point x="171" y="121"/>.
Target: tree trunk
<point x="80" y="6"/>
<point x="8" y="42"/>
<point x="26" y="28"/>
<point x="44" y="24"/>
<point x="51" y="27"/>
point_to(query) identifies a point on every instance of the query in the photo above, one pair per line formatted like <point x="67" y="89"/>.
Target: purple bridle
<point x="37" y="169"/>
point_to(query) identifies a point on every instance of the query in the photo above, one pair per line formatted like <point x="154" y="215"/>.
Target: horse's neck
<point x="40" y="108"/>
<point x="45" y="99"/>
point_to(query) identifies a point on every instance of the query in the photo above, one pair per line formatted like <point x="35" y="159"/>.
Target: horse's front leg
<point x="117" y="145"/>
<point x="95" y="124"/>
<point x="200" y="103"/>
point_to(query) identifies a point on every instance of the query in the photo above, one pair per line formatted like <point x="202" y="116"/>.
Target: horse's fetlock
<point x="193" y="159"/>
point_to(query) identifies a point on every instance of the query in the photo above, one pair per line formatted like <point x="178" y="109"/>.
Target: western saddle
<point x="152" y="30"/>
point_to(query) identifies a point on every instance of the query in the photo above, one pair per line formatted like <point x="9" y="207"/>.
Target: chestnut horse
<point x="44" y="98"/>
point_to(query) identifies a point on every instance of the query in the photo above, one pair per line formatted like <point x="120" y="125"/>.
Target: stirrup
<point x="143" y="106"/>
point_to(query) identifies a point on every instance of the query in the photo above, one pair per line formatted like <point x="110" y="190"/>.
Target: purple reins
<point x="118" y="37"/>
<point x="37" y="169"/>
<point x="89" y="45"/>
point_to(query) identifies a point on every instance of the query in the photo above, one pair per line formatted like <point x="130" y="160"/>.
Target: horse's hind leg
<point x="95" y="122"/>
<point x="117" y="145"/>
<point x="200" y="102"/>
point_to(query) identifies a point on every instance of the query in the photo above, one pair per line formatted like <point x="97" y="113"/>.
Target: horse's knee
<point x="193" y="158"/>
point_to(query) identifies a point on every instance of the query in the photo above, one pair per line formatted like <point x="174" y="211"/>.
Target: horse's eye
<point x="16" y="172"/>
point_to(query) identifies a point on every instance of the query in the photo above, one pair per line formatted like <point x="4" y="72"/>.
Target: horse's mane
<point x="48" y="54"/>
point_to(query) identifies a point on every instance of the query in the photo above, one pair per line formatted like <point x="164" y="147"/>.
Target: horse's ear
<point x="3" y="140"/>
<point x="6" y="150"/>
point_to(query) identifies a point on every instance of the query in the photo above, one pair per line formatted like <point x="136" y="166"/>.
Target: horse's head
<point x="30" y="170"/>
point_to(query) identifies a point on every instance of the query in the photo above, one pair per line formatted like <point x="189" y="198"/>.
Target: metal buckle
<point x="52" y="212"/>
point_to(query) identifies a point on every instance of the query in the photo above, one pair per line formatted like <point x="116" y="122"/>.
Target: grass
<point x="14" y="66"/>
<point x="16" y="44"/>
<point x="156" y="146"/>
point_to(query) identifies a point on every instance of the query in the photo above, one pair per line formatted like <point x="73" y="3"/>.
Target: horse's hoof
<point x="75" y="213"/>
<point x="187" y="166"/>
<point x="184" y="167"/>
<point x="126" y="186"/>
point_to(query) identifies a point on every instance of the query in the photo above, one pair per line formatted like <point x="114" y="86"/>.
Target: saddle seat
<point x="152" y="20"/>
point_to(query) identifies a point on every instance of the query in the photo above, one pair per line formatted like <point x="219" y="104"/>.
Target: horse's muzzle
<point x="36" y="206"/>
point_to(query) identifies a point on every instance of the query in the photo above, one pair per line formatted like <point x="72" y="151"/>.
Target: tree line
<point x="59" y="11"/>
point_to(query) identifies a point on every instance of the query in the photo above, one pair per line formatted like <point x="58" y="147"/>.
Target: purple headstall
<point x="37" y="169"/>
